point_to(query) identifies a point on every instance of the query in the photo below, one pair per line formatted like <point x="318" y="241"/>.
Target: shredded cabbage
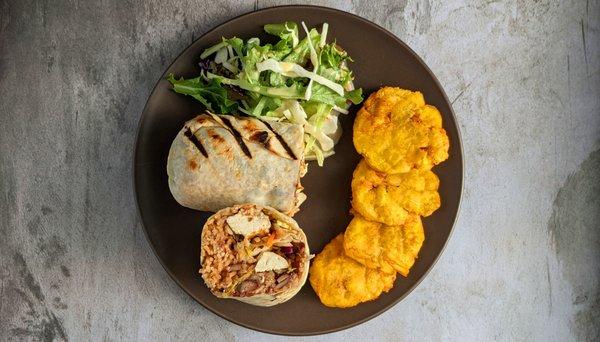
<point x="294" y="70"/>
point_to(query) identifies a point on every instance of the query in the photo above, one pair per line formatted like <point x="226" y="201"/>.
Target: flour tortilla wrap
<point x="217" y="161"/>
<point x="253" y="254"/>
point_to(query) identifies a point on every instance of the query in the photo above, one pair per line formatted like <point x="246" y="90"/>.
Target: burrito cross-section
<point x="217" y="161"/>
<point x="254" y="254"/>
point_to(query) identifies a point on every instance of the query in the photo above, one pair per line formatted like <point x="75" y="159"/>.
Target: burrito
<point x="217" y="161"/>
<point x="254" y="254"/>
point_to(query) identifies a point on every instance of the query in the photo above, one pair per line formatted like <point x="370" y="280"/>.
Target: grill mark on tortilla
<point x="215" y="136"/>
<point x="188" y="133"/>
<point x="261" y="137"/>
<point x="283" y="143"/>
<point x="238" y="137"/>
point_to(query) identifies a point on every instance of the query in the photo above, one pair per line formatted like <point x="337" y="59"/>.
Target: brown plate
<point x="174" y="231"/>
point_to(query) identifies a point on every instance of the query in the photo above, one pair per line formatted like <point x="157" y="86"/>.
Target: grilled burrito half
<point x="254" y="254"/>
<point x="217" y="161"/>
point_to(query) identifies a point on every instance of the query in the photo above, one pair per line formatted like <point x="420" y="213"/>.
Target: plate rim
<point x="383" y="30"/>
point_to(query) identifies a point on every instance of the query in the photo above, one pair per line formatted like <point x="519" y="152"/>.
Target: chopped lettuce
<point x="304" y="81"/>
<point x="288" y="32"/>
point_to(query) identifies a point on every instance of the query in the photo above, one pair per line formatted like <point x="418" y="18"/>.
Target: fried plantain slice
<point x="388" y="248"/>
<point x="396" y="131"/>
<point x="342" y="282"/>
<point x="390" y="199"/>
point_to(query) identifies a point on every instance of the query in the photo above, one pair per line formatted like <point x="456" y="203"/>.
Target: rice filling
<point x="230" y="259"/>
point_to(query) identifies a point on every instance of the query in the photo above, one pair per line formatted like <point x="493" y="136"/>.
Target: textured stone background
<point x="522" y="264"/>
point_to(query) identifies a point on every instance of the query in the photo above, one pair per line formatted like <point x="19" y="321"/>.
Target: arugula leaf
<point x="210" y="93"/>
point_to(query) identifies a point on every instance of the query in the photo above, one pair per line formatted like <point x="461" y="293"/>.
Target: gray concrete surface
<point x="522" y="265"/>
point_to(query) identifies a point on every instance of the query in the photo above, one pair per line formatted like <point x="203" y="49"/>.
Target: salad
<point x="303" y="81"/>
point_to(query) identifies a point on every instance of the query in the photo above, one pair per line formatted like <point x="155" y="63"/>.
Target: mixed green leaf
<point x="304" y="81"/>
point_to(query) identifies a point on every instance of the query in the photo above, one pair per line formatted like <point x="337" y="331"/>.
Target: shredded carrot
<point x="271" y="239"/>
